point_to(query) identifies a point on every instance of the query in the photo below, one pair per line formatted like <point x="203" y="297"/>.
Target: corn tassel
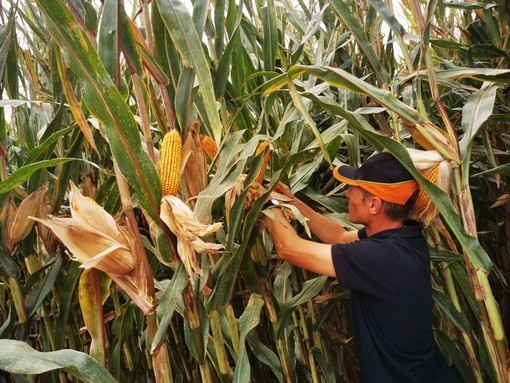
<point x="170" y="162"/>
<point x="260" y="149"/>
<point x="423" y="198"/>
<point x="209" y="146"/>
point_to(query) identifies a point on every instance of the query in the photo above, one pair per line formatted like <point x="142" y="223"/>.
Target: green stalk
<point x="491" y="317"/>
<point x="307" y="347"/>
<point x="205" y="372"/>
<point x="283" y="354"/>
<point x="452" y="292"/>
<point x="193" y="315"/>
<point x="127" y="356"/>
<point x="437" y="98"/>
<point x="179" y="346"/>
<point x="17" y="299"/>
<point x="219" y="345"/>
<point x="234" y="331"/>
<point x="303" y="345"/>
<point x="273" y="316"/>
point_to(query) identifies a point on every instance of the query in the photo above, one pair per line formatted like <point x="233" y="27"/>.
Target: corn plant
<point x="127" y="259"/>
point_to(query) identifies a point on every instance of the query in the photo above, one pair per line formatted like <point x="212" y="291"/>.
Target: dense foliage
<point x="89" y="89"/>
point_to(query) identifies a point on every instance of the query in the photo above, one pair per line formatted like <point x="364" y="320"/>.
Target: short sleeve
<point x="367" y="266"/>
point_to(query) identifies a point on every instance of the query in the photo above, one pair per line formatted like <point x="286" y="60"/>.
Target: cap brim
<point x="346" y="174"/>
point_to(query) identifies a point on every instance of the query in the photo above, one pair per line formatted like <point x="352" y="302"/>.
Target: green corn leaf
<point x="344" y="14"/>
<point x="66" y="299"/>
<point x="265" y="355"/>
<point x="298" y="102"/>
<point x="168" y="303"/>
<point x="106" y="103"/>
<point x="23" y="174"/>
<point x="310" y="289"/>
<point x="129" y="45"/>
<point x="270" y="30"/>
<point x="447" y="306"/>
<point x="108" y="41"/>
<point x="477" y="109"/>
<point x="18" y="357"/>
<point x="381" y="7"/>
<point x="455" y="350"/>
<point x="248" y="321"/>
<point x="42" y="289"/>
<point x="504" y="170"/>
<point x="5" y="45"/>
<point x="186" y="40"/>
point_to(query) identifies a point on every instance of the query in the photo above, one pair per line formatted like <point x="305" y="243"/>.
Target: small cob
<point x="170" y="162"/>
<point x="423" y="198"/>
<point x="260" y="149"/>
<point x="209" y="146"/>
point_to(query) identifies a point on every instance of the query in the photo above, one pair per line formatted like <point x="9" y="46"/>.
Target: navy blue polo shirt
<point x="391" y="306"/>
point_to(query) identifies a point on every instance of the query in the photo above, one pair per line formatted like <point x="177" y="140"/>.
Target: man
<point x="386" y="265"/>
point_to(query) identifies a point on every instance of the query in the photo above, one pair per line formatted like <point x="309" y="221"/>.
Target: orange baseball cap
<point x="382" y="175"/>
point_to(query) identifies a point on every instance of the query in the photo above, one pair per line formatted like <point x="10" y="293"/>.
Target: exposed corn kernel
<point x="209" y="146"/>
<point x="260" y="149"/>
<point x="170" y="162"/>
<point x="423" y="198"/>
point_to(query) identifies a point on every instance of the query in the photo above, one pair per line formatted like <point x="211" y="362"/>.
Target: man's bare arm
<point x="309" y="255"/>
<point x="327" y="230"/>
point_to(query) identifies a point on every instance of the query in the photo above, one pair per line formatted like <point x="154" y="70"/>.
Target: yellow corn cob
<point x="423" y="197"/>
<point x="170" y="162"/>
<point x="209" y="146"/>
<point x="260" y="149"/>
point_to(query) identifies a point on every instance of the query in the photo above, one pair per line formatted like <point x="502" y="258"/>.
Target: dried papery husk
<point x="89" y="187"/>
<point x="17" y="224"/>
<point x="194" y="161"/>
<point x="255" y="191"/>
<point x="45" y="234"/>
<point x="8" y="213"/>
<point x="182" y="222"/>
<point x="440" y="139"/>
<point x="91" y="247"/>
<point x="437" y="170"/>
<point x="96" y="240"/>
<point x="92" y="236"/>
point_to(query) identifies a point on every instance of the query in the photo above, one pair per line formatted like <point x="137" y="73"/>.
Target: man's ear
<point x="374" y="205"/>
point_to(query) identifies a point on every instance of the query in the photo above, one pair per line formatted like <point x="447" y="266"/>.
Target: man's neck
<point x="382" y="225"/>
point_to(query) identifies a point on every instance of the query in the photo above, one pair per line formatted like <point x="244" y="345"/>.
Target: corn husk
<point x="17" y="224"/>
<point x="90" y="188"/>
<point x="232" y="194"/>
<point x="425" y="161"/>
<point x="182" y="222"/>
<point x="96" y="240"/>
<point x="92" y="236"/>
<point x="194" y="161"/>
<point x="255" y="191"/>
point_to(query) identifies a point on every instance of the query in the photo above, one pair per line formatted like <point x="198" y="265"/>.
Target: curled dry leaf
<point x="182" y="222"/>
